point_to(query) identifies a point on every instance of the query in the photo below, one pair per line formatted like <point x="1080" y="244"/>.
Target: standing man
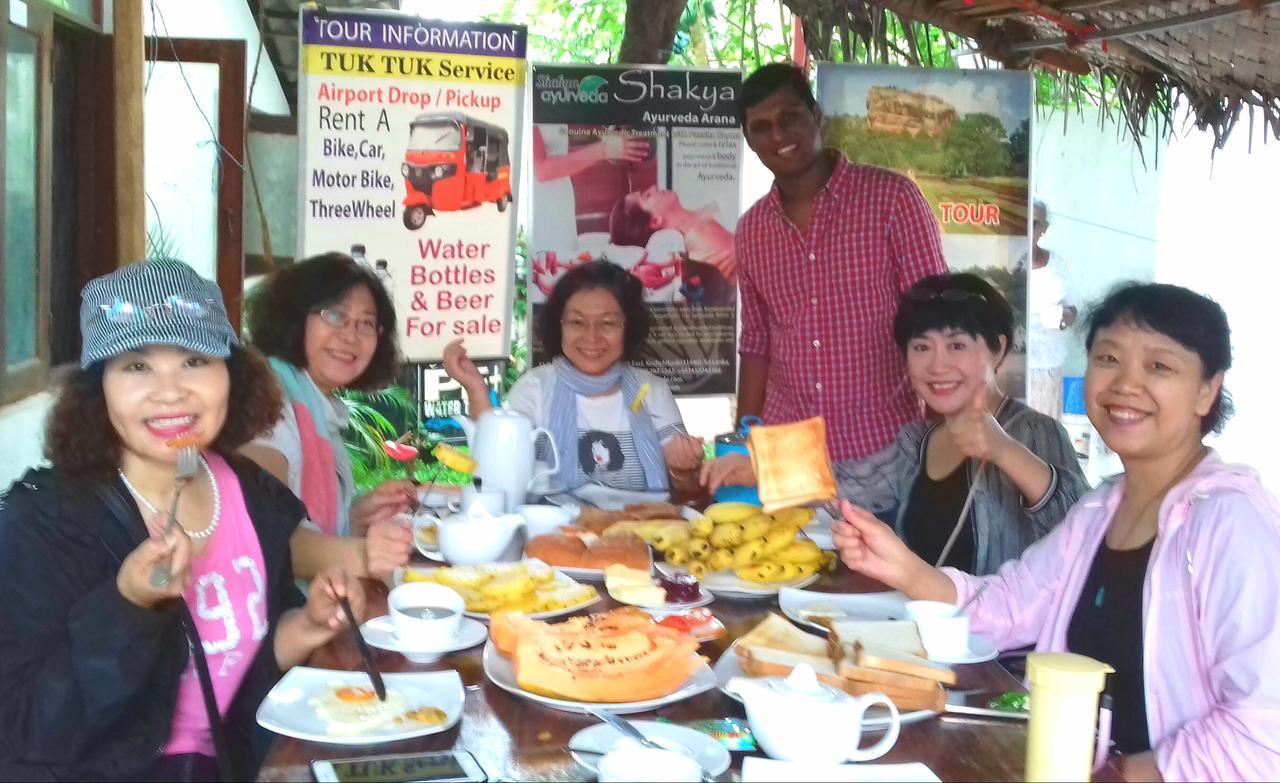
<point x="1051" y="314"/>
<point x="823" y="259"/>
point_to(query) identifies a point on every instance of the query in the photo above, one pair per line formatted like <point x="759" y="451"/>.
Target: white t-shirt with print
<point x="606" y="450"/>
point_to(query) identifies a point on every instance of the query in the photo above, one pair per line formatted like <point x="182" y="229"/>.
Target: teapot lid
<point x="803" y="682"/>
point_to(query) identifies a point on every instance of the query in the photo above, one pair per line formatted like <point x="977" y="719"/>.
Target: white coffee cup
<point x="493" y="501"/>
<point x="943" y="630"/>
<point x="404" y="604"/>
<point x="628" y="760"/>
<point x="541" y="520"/>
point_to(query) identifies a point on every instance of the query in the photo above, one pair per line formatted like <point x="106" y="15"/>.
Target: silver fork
<point x="188" y="464"/>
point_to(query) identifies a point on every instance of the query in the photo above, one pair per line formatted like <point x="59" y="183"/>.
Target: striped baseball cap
<point x="154" y="302"/>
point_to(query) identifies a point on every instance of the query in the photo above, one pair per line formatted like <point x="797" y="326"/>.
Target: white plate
<point x="397" y="579"/>
<point x="819" y="530"/>
<point x="726" y="585"/>
<point x="729" y="667"/>
<point x="612" y="499"/>
<point x="856" y="606"/>
<point x="286" y="710"/>
<point x="380" y="633"/>
<point x="870" y="607"/>
<point x="717" y="628"/>
<point x="980" y="651"/>
<point x="711" y="755"/>
<point x="501" y="672"/>
<point x="703" y="599"/>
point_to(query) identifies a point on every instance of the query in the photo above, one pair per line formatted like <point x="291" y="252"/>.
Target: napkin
<point x="761" y="770"/>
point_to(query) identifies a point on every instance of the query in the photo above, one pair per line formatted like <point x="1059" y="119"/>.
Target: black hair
<point x="604" y="276"/>
<point x="1192" y="320"/>
<point x="768" y="79"/>
<point x="960" y="301"/>
<point x="277" y="313"/>
<point x="630" y="224"/>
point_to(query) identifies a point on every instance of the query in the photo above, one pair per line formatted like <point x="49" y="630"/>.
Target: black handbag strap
<point x="122" y="514"/>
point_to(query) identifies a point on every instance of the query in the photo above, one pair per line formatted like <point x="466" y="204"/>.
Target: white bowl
<point x="541" y="520"/>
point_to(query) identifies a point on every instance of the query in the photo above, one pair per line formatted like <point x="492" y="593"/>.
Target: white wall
<point x="1104" y="204"/>
<point x="1215" y="237"/>
<point x="230" y="19"/>
<point x="22" y="432"/>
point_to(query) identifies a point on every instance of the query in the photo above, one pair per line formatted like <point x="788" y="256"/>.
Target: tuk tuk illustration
<point x="453" y="162"/>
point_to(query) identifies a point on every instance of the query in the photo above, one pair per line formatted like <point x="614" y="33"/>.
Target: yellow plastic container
<point x="1064" y="715"/>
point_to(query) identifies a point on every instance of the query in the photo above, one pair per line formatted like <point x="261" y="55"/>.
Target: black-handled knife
<point x="379" y="687"/>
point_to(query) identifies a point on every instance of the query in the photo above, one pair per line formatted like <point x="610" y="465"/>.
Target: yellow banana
<point x="726" y="534"/>
<point x="699" y="548"/>
<point x="699" y="570"/>
<point x="787" y="571"/>
<point x="754" y="527"/>
<point x="796" y="517"/>
<point x="719" y="560"/>
<point x="674" y="534"/>
<point x="453" y="459"/>
<point x="701" y="527"/>
<point x="807" y="569"/>
<point x="677" y="555"/>
<point x="799" y="552"/>
<point x="730" y="512"/>
<point x="778" y="538"/>
<point x="748" y="553"/>
<point x="760" y="572"/>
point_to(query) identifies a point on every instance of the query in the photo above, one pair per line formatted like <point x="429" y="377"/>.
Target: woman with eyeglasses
<point x="136" y="646"/>
<point x="326" y="323"/>
<point x="614" y="423"/>
<point x="1168" y="572"/>
<point x="1018" y="465"/>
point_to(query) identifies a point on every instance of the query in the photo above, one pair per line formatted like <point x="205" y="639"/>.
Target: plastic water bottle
<point x="357" y="253"/>
<point x="384" y="276"/>
<point x="736" y="442"/>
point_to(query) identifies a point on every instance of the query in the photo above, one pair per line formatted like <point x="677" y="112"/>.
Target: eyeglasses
<point x="607" y="327"/>
<point x="365" y="327"/>
<point x="124" y="311"/>
<point x="949" y="295"/>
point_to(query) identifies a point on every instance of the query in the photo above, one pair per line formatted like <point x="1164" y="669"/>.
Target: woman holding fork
<point x="138" y="646"/>
<point x="954" y="331"/>
<point x="1167" y="572"/>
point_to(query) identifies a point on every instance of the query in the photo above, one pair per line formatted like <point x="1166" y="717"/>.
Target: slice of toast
<point x="875" y="656"/>
<point x="763" y="662"/>
<point x="900" y="635"/>
<point x="791" y="464"/>
<point x="775" y="632"/>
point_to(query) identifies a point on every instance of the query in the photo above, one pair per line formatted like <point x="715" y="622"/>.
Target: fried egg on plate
<point x="352" y="709"/>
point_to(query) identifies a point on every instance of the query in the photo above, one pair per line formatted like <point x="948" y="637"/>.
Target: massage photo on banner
<point x="655" y="191"/>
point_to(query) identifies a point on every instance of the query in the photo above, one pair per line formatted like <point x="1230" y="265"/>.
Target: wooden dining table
<point x="516" y="739"/>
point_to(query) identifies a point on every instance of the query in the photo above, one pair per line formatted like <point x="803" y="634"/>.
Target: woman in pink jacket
<point x="1169" y="573"/>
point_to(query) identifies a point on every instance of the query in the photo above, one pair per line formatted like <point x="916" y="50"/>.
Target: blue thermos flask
<point x="728" y="444"/>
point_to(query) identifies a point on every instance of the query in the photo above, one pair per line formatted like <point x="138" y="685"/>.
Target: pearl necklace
<point x="217" y="501"/>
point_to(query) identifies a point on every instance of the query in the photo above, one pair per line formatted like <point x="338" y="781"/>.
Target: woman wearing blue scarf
<point x="614" y="423"/>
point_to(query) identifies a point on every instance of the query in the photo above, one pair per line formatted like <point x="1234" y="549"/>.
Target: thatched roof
<point x="1222" y="57"/>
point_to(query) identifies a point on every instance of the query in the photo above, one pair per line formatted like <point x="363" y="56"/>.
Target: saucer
<point x="980" y="650"/>
<point x="600" y="738"/>
<point x="380" y="633"/>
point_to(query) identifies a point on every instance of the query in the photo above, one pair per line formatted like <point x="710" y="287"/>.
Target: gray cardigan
<point x="1004" y="525"/>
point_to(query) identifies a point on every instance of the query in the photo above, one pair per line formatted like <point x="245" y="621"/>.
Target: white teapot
<point x="502" y="442"/>
<point x="797" y="718"/>
<point x="476" y="536"/>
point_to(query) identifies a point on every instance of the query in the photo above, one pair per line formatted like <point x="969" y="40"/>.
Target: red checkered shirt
<point x="819" y="306"/>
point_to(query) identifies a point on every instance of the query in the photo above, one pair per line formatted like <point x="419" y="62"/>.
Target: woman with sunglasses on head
<point x="136" y="646"/>
<point x="1167" y="572"/>
<point x="1018" y="465"/>
<point x="613" y="422"/>
<point x="326" y="323"/>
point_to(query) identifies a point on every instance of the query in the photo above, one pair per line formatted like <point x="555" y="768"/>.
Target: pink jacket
<point x="1211" y="616"/>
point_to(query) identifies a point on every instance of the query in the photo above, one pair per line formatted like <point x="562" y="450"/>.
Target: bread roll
<point x="556" y="550"/>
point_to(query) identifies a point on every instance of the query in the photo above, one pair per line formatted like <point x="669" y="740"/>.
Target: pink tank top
<point x="227" y="597"/>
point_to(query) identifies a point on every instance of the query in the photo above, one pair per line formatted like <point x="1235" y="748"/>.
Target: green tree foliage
<point x="975" y="147"/>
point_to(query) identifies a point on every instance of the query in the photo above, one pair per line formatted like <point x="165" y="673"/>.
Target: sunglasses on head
<point x="948" y="294"/>
<point x="124" y="311"/>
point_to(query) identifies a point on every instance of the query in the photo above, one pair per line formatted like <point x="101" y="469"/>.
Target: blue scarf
<point x="563" y="422"/>
<point x="298" y="387"/>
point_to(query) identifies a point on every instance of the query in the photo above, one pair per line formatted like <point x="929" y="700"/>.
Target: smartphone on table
<point x="444" y="766"/>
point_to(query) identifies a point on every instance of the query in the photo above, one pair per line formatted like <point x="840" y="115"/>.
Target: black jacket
<point x="90" y="680"/>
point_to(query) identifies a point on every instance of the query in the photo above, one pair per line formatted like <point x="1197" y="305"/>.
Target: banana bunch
<point x="737" y="537"/>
